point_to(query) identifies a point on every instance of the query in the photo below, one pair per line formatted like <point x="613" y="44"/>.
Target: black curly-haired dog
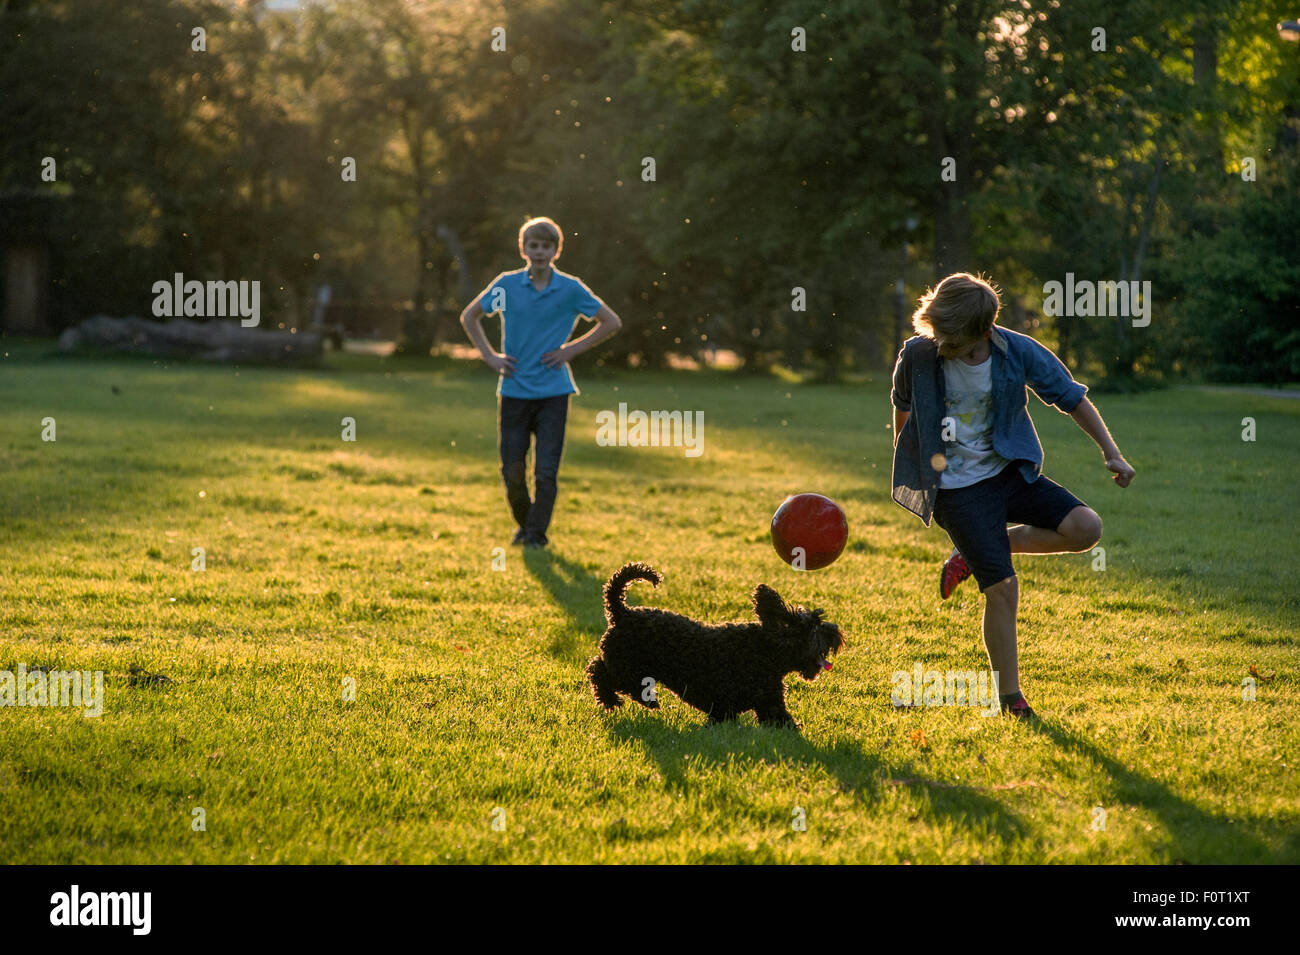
<point x="722" y="669"/>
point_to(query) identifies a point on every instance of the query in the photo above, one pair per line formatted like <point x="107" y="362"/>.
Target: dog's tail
<point x="616" y="588"/>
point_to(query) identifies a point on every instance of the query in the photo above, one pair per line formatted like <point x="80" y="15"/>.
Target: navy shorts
<point x="976" y="518"/>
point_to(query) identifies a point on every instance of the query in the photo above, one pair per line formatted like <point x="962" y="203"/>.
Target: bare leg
<point x="1080" y="531"/>
<point x="1000" y="604"/>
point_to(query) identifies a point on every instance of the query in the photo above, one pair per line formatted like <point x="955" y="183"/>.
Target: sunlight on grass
<point x="371" y="561"/>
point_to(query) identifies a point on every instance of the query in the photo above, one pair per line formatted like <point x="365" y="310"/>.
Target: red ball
<point x="811" y="522"/>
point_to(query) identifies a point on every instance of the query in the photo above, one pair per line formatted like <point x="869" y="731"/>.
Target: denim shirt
<point x="1018" y="361"/>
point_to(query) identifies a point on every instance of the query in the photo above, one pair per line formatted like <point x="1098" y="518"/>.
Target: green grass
<point x="373" y="561"/>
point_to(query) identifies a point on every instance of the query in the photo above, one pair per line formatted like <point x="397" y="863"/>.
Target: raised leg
<point x="1080" y="531"/>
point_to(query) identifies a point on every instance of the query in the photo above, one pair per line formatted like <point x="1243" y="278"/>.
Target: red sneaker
<point x="955" y="570"/>
<point x="1020" y="709"/>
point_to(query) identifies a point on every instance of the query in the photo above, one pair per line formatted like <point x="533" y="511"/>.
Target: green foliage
<point x="169" y="159"/>
<point x="776" y="167"/>
<point x="1237" y="280"/>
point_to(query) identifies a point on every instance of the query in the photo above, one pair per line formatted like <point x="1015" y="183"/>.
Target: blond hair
<point x="960" y="308"/>
<point x="544" y="227"/>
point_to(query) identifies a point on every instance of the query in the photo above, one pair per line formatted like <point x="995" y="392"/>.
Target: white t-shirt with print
<point x="969" y="403"/>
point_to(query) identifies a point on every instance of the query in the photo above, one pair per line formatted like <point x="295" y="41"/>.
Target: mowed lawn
<point x="331" y="564"/>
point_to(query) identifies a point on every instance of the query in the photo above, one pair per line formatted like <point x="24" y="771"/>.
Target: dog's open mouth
<point x="822" y="666"/>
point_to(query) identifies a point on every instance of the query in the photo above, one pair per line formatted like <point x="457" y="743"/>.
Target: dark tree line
<point x="715" y="165"/>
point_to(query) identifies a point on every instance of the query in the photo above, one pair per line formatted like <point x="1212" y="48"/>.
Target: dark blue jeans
<point x="518" y="420"/>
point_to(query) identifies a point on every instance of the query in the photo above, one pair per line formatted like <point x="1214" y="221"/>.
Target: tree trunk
<point x="1122" y="365"/>
<point x="464" y="287"/>
<point x="948" y="129"/>
<point x="1205" y="76"/>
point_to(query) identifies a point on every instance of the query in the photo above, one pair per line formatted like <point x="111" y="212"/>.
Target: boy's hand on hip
<point x="1123" y="470"/>
<point x="502" y="365"/>
<point x="554" y="359"/>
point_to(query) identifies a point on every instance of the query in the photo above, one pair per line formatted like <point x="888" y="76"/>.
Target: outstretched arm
<point x="1087" y="417"/>
<point x="607" y="323"/>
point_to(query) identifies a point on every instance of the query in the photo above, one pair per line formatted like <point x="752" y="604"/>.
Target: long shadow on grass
<point x="578" y="592"/>
<point x="730" y="746"/>
<point x="1198" y="836"/>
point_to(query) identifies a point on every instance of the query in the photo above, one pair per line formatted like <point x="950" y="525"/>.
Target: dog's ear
<point x="769" y="606"/>
<point x="835" y="641"/>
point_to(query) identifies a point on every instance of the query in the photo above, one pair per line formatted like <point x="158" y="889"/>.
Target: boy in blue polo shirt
<point x="965" y="451"/>
<point x="539" y="309"/>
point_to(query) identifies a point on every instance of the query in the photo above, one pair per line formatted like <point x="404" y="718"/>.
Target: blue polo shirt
<point x="535" y="323"/>
<point x="1018" y="362"/>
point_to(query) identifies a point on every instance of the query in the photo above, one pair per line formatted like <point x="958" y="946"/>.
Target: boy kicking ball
<point x="966" y="453"/>
<point x="539" y="309"/>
